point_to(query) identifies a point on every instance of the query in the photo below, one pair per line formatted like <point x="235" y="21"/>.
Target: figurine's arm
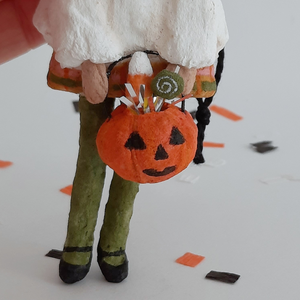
<point x="188" y="75"/>
<point x="94" y="81"/>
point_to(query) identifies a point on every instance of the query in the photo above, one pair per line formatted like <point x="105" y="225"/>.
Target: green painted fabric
<point x="208" y="86"/>
<point x="87" y="191"/>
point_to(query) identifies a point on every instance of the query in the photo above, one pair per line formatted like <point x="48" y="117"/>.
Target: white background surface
<point x="238" y="223"/>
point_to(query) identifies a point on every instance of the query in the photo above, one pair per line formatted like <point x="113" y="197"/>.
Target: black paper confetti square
<point x="263" y="147"/>
<point x="55" y="254"/>
<point x="223" y="276"/>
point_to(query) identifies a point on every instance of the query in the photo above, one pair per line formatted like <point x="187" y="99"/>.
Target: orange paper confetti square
<point x="190" y="259"/>
<point x="225" y="113"/>
<point x="67" y="190"/>
<point x="5" y="164"/>
<point x="213" y="145"/>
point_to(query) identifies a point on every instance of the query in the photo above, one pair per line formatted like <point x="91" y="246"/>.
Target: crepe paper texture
<point x="263" y="147"/>
<point x="55" y="254"/>
<point x="5" y="164"/>
<point x="222" y="276"/>
<point x="67" y="190"/>
<point x="213" y="145"/>
<point x="225" y="113"/>
<point x="190" y="259"/>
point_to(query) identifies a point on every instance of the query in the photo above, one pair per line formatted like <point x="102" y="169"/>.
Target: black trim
<point x="111" y="273"/>
<point x="78" y="249"/>
<point x="108" y="254"/>
<point x="69" y="273"/>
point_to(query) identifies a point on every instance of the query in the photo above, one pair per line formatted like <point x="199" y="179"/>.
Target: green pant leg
<point x="87" y="186"/>
<point x="118" y="212"/>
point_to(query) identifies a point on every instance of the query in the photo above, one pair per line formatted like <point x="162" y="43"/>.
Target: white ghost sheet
<point x="185" y="32"/>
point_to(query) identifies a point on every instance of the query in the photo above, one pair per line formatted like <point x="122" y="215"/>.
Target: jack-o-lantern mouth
<point x="155" y="173"/>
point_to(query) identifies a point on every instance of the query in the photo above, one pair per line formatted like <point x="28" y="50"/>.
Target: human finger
<point x="17" y="33"/>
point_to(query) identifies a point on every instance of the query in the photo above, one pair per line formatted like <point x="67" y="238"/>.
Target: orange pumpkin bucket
<point x="148" y="148"/>
<point x="146" y="140"/>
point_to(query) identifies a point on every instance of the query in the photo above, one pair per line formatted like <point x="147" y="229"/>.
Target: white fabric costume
<point x="185" y="32"/>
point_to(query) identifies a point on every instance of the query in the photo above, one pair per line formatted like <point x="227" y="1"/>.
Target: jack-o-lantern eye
<point x="135" y="142"/>
<point x="176" y="137"/>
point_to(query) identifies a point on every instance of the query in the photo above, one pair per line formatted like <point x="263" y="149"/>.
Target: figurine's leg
<point x="86" y="195"/>
<point x="118" y="211"/>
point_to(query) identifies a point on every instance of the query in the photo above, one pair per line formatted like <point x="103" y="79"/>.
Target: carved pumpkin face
<point x="150" y="147"/>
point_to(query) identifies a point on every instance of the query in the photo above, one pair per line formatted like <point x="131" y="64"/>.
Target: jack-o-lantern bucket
<point x="148" y="148"/>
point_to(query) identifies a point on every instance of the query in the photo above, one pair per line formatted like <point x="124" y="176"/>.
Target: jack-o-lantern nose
<point x="161" y="153"/>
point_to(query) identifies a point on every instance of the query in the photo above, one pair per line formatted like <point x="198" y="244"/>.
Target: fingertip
<point x="25" y="11"/>
<point x="17" y="33"/>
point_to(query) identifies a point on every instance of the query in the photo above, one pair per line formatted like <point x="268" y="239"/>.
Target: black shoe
<point x="69" y="273"/>
<point x="112" y="273"/>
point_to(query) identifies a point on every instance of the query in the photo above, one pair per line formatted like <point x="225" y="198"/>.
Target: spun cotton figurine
<point x="93" y="41"/>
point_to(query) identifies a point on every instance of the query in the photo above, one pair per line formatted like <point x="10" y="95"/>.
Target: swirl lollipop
<point x="167" y="84"/>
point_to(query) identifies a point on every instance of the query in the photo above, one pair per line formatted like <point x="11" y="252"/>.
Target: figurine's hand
<point x="94" y="81"/>
<point x="188" y="75"/>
